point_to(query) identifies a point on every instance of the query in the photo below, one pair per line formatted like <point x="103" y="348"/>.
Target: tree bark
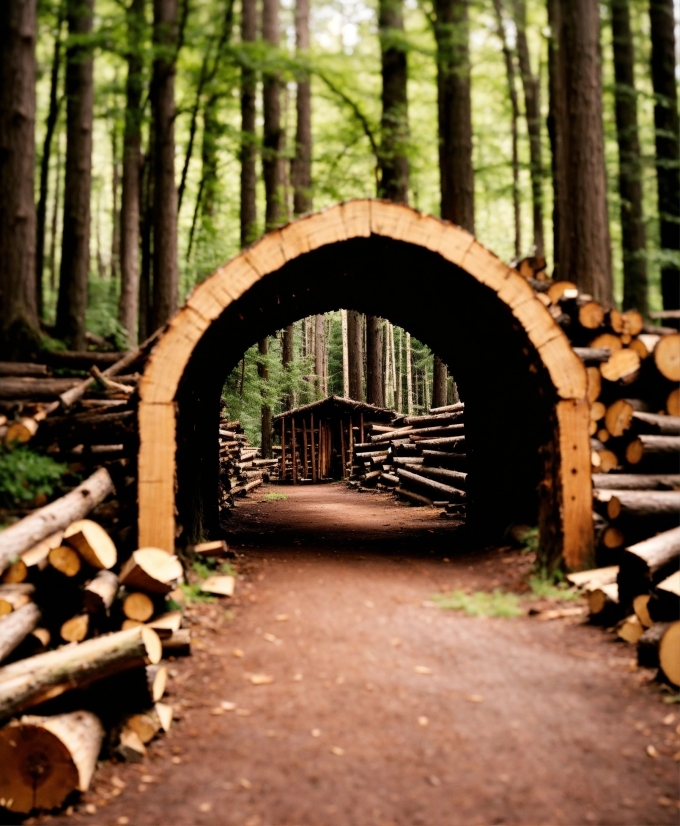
<point x="439" y="383"/>
<point x="165" y="271"/>
<point x="345" y="354"/>
<point x="248" y="137"/>
<point x="319" y="361"/>
<point x="55" y="219"/>
<point x="50" y="126"/>
<point x="266" y="411"/>
<point x="128" y="304"/>
<point x="514" y="107"/>
<point x="374" y="361"/>
<point x="584" y="253"/>
<point x="75" y="243"/>
<point x="454" y="113"/>
<point x="531" y="85"/>
<point x="146" y="232"/>
<point x="302" y="163"/>
<point x="115" y="210"/>
<point x="630" y="168"/>
<point x="209" y="158"/>
<point x="409" y="377"/>
<point x="667" y="143"/>
<point x="556" y="106"/>
<point x="355" y="355"/>
<point x="394" y="171"/>
<point x="273" y="134"/>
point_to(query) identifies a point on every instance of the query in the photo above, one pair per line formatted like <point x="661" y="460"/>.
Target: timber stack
<point x="242" y="467"/>
<point x="633" y="370"/>
<point x="83" y="631"/>
<point x="420" y="458"/>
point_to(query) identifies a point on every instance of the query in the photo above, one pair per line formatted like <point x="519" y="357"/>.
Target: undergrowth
<point x="25" y="475"/>
<point x="274" y="497"/>
<point x="496" y="603"/>
<point x="548" y="588"/>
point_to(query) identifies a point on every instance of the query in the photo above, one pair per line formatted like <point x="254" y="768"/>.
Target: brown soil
<point x="383" y="709"/>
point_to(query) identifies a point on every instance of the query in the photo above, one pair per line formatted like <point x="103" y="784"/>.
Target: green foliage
<point x="25" y="475"/>
<point x="547" y="588"/>
<point x="202" y="568"/>
<point x="496" y="603"/>
<point x="274" y="497"/>
<point x="193" y="593"/>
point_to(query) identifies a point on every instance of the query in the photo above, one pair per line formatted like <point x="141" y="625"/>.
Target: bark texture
<point x="355" y="355"/>
<point x="374" y="361"/>
<point x="165" y="271"/>
<point x="273" y="134"/>
<point x="18" y="312"/>
<point x="75" y="243"/>
<point x="248" y="138"/>
<point x="630" y="168"/>
<point x="302" y="163"/>
<point x="439" y="383"/>
<point x="454" y="113"/>
<point x="584" y="254"/>
<point x="394" y="122"/>
<point x="667" y="143"/>
<point x="266" y="411"/>
<point x="132" y="170"/>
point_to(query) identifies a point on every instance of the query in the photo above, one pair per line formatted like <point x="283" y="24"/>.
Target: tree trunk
<point x="319" y="360"/>
<point x="165" y="272"/>
<point x="302" y="163"/>
<point x="75" y="243"/>
<point x="208" y="187"/>
<point x="115" y="210"/>
<point x="439" y="383"/>
<point x="409" y="377"/>
<point x="355" y="355"/>
<point x="50" y="126"/>
<point x="374" y="361"/>
<point x="248" y="138"/>
<point x="132" y="170"/>
<point x="584" y="254"/>
<point x="146" y="232"/>
<point x="556" y="105"/>
<point x="18" y="312"/>
<point x="454" y="113"/>
<point x="273" y="134"/>
<point x="266" y="412"/>
<point x="55" y="220"/>
<point x="531" y="85"/>
<point x="287" y="359"/>
<point x="345" y="354"/>
<point x="630" y="167"/>
<point x="514" y="106"/>
<point x="394" y="121"/>
<point x="399" y="375"/>
<point x="667" y="143"/>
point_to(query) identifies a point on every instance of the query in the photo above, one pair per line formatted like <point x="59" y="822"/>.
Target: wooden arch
<point x="567" y="483"/>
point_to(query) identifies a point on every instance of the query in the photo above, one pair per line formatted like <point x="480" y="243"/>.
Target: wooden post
<point x="351" y="442"/>
<point x="342" y="448"/>
<point x="304" y="447"/>
<point x="311" y="436"/>
<point x="293" y="449"/>
<point x="361" y="427"/>
<point x="283" y="449"/>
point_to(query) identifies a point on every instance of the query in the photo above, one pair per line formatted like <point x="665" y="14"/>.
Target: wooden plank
<point x="293" y="450"/>
<point x="342" y="448"/>
<point x="574" y="445"/>
<point x="304" y="448"/>
<point x="156" y="487"/>
<point x="283" y="450"/>
<point x="311" y="438"/>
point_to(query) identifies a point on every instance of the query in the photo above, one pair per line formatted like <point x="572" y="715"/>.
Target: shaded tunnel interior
<point x="508" y="394"/>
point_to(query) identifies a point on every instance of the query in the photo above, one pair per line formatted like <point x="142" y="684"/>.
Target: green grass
<point x="274" y="497"/>
<point x="496" y="603"/>
<point x="544" y="588"/>
<point x="24" y="475"/>
<point x="193" y="593"/>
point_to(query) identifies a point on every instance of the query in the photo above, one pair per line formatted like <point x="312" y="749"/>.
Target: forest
<point x="144" y="144"/>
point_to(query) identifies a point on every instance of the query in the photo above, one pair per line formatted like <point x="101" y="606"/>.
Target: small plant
<point x="274" y="497"/>
<point x="202" y="568"/>
<point x="24" y="475"/>
<point x="548" y="588"/>
<point x="228" y="569"/>
<point x="193" y="593"/>
<point x="496" y="603"/>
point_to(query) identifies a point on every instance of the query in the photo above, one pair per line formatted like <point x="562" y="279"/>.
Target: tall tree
<point x="266" y="411"/>
<point x="439" y="383"/>
<point x="271" y="104"/>
<point x="355" y="355"/>
<point x="75" y="243"/>
<point x="454" y="112"/>
<point x="409" y="377"/>
<point x="302" y="162"/>
<point x="584" y="254"/>
<point x="319" y="356"/>
<point x="248" y="137"/>
<point x="509" y="58"/>
<point x="667" y="144"/>
<point x="633" y="237"/>
<point x="132" y="171"/>
<point x="394" y="121"/>
<point x="50" y="126"/>
<point x="18" y="311"/>
<point x="374" y="361"/>
<point x="531" y="85"/>
<point x="165" y="269"/>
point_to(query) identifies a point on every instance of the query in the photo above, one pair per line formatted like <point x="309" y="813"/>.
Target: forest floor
<point x="383" y="709"/>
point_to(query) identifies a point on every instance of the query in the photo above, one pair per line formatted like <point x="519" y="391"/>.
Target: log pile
<point x="242" y="467"/>
<point x="82" y="635"/>
<point x="420" y="458"/>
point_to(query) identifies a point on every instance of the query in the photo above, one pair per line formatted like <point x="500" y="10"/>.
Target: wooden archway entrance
<point x="523" y="384"/>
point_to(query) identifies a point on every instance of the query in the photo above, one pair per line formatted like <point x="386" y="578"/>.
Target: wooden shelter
<point x="317" y="440"/>
<point x="478" y="314"/>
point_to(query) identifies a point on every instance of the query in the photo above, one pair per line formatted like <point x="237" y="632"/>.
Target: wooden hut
<point x="317" y="440"/>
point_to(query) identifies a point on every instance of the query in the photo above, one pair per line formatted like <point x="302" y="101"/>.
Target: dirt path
<point x="383" y="709"/>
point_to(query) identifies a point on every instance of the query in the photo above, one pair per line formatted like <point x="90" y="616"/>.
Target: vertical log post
<point x="283" y="449"/>
<point x="311" y="436"/>
<point x="304" y="447"/>
<point x="293" y="449"/>
<point x="342" y="448"/>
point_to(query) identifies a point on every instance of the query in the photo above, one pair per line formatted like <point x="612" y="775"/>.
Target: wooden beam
<point x="311" y="437"/>
<point x="293" y="449"/>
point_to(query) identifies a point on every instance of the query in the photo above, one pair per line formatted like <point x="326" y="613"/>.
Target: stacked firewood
<point x="242" y="467"/>
<point x="82" y="635"/>
<point x="633" y="373"/>
<point x="421" y="458"/>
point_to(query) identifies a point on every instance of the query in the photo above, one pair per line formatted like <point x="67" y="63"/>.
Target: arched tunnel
<point x="522" y="400"/>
